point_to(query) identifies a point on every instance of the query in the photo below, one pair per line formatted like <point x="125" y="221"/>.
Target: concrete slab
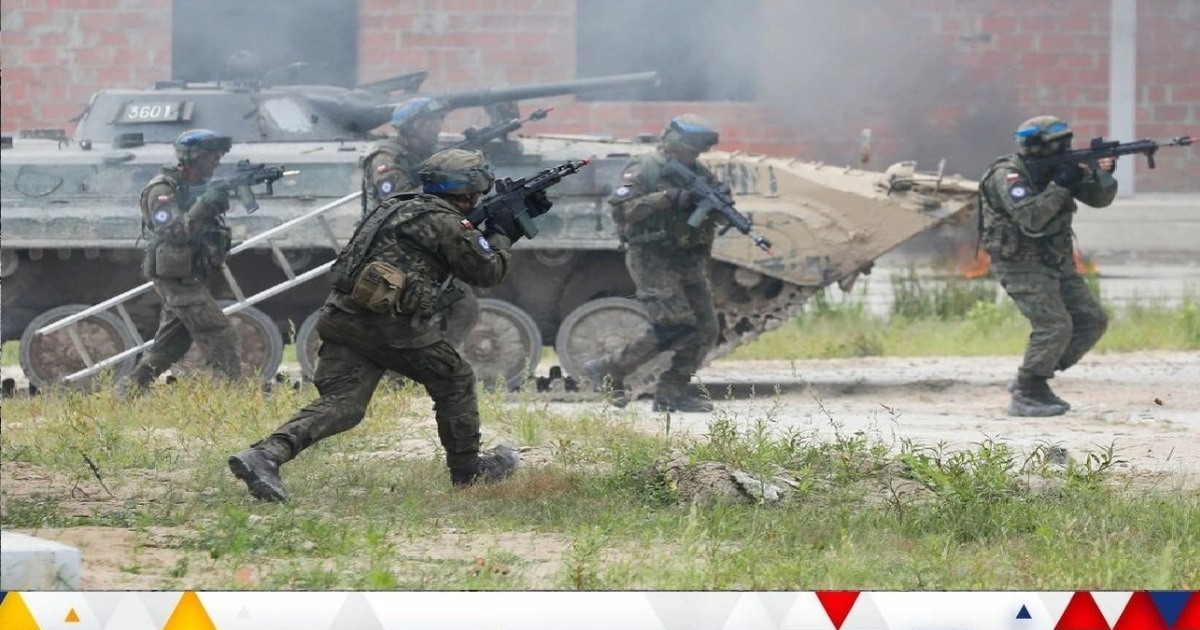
<point x="33" y="564"/>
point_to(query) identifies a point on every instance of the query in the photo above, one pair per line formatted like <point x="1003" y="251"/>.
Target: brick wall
<point x="941" y="78"/>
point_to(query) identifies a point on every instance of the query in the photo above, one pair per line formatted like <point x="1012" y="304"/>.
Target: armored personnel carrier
<point x="72" y="238"/>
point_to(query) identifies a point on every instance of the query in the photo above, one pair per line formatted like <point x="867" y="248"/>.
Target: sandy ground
<point x="1147" y="404"/>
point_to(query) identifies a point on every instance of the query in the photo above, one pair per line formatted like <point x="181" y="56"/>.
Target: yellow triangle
<point x="15" y="615"/>
<point x="72" y="616"/>
<point x="189" y="614"/>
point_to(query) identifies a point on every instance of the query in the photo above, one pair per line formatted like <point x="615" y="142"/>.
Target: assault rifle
<point x="512" y="209"/>
<point x="476" y="138"/>
<point x="718" y="199"/>
<point x="1042" y="168"/>
<point x="247" y="174"/>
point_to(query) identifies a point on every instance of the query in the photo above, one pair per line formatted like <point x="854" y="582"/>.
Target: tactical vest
<point x="1004" y="239"/>
<point x="385" y="270"/>
<point x="668" y="227"/>
<point x="206" y="248"/>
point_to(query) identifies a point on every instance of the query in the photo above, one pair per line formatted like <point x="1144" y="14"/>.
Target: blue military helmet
<point x="690" y="132"/>
<point x="455" y="172"/>
<point x="191" y="143"/>
<point x="1043" y="134"/>
<point x="414" y="109"/>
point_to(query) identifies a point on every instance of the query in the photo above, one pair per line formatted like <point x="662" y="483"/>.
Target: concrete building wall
<point x="932" y="78"/>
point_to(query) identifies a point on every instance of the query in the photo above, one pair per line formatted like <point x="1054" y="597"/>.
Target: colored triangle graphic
<point x="1024" y="613"/>
<point x="1082" y="613"/>
<point x="1170" y="604"/>
<point x="837" y="605"/>
<point x="15" y="615"/>
<point x="189" y="615"/>
<point x="1140" y="614"/>
<point x="72" y="616"/>
<point x="1189" y="618"/>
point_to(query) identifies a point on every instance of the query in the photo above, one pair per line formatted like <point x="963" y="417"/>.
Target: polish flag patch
<point x="466" y="225"/>
<point x="1012" y="177"/>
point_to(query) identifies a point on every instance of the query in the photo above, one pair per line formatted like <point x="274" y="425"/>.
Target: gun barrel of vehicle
<point x="479" y="98"/>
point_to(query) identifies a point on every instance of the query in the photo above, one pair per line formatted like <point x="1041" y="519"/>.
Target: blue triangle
<point x="1170" y="604"/>
<point x="1024" y="613"/>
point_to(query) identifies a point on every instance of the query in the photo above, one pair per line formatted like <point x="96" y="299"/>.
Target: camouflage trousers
<point x="674" y="289"/>
<point x="350" y="363"/>
<point x="190" y="314"/>
<point x="1066" y="318"/>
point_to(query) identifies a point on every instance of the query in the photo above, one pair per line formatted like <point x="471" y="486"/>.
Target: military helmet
<point x="1049" y="133"/>
<point x="455" y="172"/>
<point x="691" y="132"/>
<point x="190" y="144"/>
<point x="414" y="109"/>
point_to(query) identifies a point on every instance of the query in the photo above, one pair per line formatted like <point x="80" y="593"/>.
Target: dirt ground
<point x="1147" y="404"/>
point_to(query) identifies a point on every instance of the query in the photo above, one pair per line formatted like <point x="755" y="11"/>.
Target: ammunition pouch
<point x="646" y="236"/>
<point x="170" y="261"/>
<point x="214" y="245"/>
<point x="378" y="288"/>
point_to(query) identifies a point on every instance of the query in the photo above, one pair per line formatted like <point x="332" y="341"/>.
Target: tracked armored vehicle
<point x="71" y="236"/>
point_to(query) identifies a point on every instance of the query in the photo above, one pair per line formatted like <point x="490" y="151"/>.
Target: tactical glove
<point x="682" y="198"/>
<point x="215" y="196"/>
<point x="1068" y="175"/>
<point x="538" y="204"/>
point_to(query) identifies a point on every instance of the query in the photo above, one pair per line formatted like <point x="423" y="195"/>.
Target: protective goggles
<point x="213" y="144"/>
<point x="1054" y="131"/>
<point x="697" y="136"/>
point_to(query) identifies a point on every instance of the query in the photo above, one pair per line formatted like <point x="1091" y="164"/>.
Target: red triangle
<point x="1082" y="613"/>
<point x="1189" y="617"/>
<point x="837" y="605"/>
<point x="1140" y="614"/>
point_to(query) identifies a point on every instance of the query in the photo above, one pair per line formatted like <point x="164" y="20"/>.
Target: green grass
<point x="959" y="318"/>
<point x="591" y="513"/>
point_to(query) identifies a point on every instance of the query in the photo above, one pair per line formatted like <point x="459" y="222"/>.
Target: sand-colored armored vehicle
<point x="71" y="234"/>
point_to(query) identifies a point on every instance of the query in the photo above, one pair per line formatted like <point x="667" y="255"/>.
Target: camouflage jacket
<point x="388" y="168"/>
<point x="1023" y="220"/>
<point x="429" y="240"/>
<point x="186" y="238"/>
<point x="646" y="212"/>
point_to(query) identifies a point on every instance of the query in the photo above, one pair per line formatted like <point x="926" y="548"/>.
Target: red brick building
<point x="931" y="78"/>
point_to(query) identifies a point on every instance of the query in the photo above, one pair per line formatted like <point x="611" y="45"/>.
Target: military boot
<point x="261" y="474"/>
<point x="604" y="382"/>
<point x="1033" y="398"/>
<point x="1012" y="387"/>
<point x="496" y="464"/>
<point x="682" y="404"/>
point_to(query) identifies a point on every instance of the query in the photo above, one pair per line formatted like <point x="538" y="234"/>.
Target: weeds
<point x="958" y="317"/>
<point x="373" y="509"/>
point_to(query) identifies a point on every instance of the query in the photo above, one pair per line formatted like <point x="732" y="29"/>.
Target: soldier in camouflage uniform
<point x="389" y="281"/>
<point x="187" y="242"/>
<point x="669" y="263"/>
<point x="390" y="167"/>
<point x="1026" y="229"/>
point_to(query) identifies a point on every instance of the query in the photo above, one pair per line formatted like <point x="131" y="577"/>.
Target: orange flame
<point x="976" y="264"/>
